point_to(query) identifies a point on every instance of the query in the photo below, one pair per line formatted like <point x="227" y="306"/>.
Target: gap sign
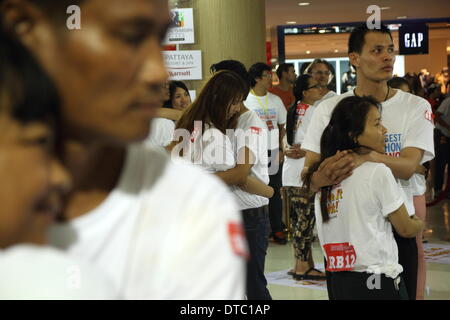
<point x="413" y="39"/>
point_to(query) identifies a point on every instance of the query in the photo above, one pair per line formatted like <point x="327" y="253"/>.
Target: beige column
<point x="226" y="29"/>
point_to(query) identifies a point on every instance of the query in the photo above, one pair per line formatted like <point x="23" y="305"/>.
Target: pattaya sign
<point x="184" y="65"/>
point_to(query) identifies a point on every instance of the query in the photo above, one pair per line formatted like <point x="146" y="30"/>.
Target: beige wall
<point x="227" y="29"/>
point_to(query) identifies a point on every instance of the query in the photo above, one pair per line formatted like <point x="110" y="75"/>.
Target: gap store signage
<point x="413" y="39"/>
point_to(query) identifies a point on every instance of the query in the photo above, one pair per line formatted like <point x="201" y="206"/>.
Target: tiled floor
<point x="437" y="231"/>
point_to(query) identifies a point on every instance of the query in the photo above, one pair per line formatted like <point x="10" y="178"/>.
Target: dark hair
<point x="301" y="84"/>
<point x="29" y="94"/>
<point x="173" y="85"/>
<point x="211" y="106"/>
<point x="347" y="123"/>
<point x="284" y="67"/>
<point x="256" y="72"/>
<point x="397" y="82"/>
<point x="357" y="37"/>
<point x="318" y="61"/>
<point x="232" y="65"/>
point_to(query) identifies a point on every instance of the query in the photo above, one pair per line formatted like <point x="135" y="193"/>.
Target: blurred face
<point x="291" y="75"/>
<point x="181" y="99"/>
<point x="314" y="91"/>
<point x="321" y="74"/>
<point x="265" y="81"/>
<point x="376" y="60"/>
<point x="32" y="182"/>
<point x="374" y="132"/>
<point x="234" y="108"/>
<point x="110" y="71"/>
<point x="165" y="91"/>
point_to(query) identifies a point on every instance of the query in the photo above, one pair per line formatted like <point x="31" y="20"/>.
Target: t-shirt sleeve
<point x="301" y="132"/>
<point x="420" y="130"/>
<point x="386" y="189"/>
<point x="161" y="132"/>
<point x="319" y="120"/>
<point x="253" y="136"/>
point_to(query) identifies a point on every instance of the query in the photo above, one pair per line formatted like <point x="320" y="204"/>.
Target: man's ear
<point x="23" y="19"/>
<point x="354" y="59"/>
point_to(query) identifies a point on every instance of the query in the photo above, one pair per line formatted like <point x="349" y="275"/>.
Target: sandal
<point x="306" y="276"/>
<point x="291" y="272"/>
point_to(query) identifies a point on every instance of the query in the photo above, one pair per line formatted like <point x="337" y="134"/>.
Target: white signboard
<point x="181" y="28"/>
<point x="184" y="65"/>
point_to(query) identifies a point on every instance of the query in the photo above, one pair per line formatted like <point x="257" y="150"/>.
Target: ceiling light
<point x="303" y="3"/>
<point x="402" y="17"/>
<point x="385" y="8"/>
<point x="291" y="22"/>
<point x="336" y="51"/>
<point x="322" y="31"/>
<point x="308" y="52"/>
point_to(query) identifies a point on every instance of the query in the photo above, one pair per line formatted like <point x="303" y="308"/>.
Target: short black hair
<point x="256" y="72"/>
<point x="284" y="67"/>
<point x="309" y="68"/>
<point x="397" y="82"/>
<point x="357" y="37"/>
<point x="231" y="65"/>
<point x="29" y="93"/>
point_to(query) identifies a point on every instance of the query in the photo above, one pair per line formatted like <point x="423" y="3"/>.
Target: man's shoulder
<point x="274" y="98"/>
<point x="328" y="105"/>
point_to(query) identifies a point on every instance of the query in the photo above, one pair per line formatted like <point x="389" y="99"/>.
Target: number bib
<point x="270" y="125"/>
<point x="340" y="256"/>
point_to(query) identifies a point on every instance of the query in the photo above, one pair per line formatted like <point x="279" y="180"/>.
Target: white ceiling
<point x="278" y="12"/>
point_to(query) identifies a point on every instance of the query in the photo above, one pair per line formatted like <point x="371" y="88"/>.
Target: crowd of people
<point x="117" y="185"/>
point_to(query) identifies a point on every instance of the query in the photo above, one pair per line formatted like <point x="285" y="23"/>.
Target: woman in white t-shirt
<point x="301" y="214"/>
<point x="202" y="136"/>
<point x="175" y="97"/>
<point x="355" y="218"/>
<point x="33" y="182"/>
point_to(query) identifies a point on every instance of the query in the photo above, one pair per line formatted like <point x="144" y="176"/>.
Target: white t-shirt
<point x="358" y="237"/>
<point x="292" y="167"/>
<point x="161" y="132"/>
<point x="418" y="184"/>
<point x="251" y="133"/>
<point x="407" y="118"/>
<point x="271" y="111"/>
<point x="444" y="108"/>
<point x="329" y="94"/>
<point x="167" y="231"/>
<point x="29" y="272"/>
<point x="211" y="150"/>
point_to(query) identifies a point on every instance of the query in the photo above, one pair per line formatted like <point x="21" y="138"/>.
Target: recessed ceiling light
<point x="336" y="50"/>
<point x="303" y="3"/>
<point x="291" y="22"/>
<point x="385" y="8"/>
<point x="402" y="17"/>
<point x="308" y="52"/>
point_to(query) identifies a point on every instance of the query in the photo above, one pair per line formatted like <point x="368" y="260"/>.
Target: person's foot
<point x="279" y="237"/>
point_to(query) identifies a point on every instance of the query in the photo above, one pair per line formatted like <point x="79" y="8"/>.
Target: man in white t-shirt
<point x="272" y="112"/>
<point x="158" y="230"/>
<point x="408" y="119"/>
